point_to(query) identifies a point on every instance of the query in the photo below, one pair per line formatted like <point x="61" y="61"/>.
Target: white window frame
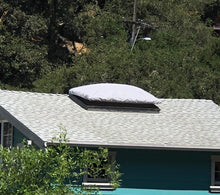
<point x="2" y="133"/>
<point x="100" y="183"/>
<point x="215" y="187"/>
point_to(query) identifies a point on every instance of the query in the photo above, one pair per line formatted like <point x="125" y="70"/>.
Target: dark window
<point x="98" y="177"/>
<point x="6" y="134"/>
<point x="217" y="173"/>
<point x="0" y="133"/>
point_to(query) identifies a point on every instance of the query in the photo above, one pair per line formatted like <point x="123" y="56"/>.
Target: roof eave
<point x="140" y="146"/>
<point x="22" y="128"/>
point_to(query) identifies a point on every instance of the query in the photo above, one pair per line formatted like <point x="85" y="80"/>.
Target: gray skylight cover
<point x="112" y="92"/>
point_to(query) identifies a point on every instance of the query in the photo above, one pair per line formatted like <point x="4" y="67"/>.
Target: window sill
<point x="214" y="189"/>
<point x="101" y="186"/>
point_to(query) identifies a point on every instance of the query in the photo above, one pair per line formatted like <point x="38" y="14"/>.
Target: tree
<point x="56" y="170"/>
<point x="180" y="61"/>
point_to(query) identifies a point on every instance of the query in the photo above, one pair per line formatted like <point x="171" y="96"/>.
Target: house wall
<point x="155" y="172"/>
<point x="18" y="137"/>
<point x="164" y="172"/>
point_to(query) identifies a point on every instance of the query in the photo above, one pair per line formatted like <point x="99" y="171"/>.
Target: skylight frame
<point x="114" y="106"/>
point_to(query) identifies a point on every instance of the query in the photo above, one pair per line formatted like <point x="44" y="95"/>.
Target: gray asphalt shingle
<point x="181" y="123"/>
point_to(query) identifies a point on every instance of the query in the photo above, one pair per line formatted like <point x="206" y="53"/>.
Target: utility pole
<point x="135" y="39"/>
<point x="134" y="22"/>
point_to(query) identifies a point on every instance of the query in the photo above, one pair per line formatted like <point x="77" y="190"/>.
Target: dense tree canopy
<point x="38" y="46"/>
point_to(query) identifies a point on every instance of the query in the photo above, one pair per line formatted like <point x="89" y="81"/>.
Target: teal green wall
<point x="18" y="137"/>
<point x="159" y="172"/>
<point x="164" y="172"/>
<point x="157" y="169"/>
<point x="130" y="191"/>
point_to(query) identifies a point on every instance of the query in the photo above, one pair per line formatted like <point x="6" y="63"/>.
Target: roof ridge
<point x="32" y="92"/>
<point x="64" y="94"/>
<point x="186" y="99"/>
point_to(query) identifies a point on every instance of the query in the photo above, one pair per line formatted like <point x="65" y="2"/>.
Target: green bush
<point x="58" y="169"/>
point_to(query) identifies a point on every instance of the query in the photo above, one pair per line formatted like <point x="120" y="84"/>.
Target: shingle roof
<point x="180" y="124"/>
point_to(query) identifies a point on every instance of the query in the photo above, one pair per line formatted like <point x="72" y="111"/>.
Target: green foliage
<point x="56" y="170"/>
<point x="35" y="27"/>
<point x="181" y="61"/>
<point x="22" y="62"/>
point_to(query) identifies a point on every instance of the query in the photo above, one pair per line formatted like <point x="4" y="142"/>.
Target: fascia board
<point x="21" y="127"/>
<point x="139" y="146"/>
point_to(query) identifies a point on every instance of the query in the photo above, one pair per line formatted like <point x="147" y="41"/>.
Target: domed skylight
<point x="112" y="92"/>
